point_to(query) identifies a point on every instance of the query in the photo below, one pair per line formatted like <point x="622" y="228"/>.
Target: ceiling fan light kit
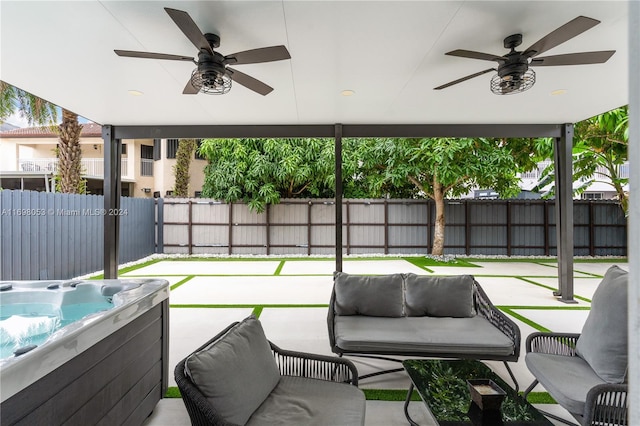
<point x="514" y="74"/>
<point x="213" y="76"/>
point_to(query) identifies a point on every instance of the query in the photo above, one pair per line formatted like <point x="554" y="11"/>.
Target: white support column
<point x="634" y="212"/>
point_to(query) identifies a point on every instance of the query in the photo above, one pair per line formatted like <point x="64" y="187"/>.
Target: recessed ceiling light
<point x="559" y="92"/>
<point x="135" y="93"/>
<point x="347" y="92"/>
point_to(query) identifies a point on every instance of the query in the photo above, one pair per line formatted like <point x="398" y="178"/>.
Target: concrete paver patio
<point x="292" y="305"/>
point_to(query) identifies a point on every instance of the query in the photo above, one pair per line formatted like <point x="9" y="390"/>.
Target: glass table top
<point x="442" y="385"/>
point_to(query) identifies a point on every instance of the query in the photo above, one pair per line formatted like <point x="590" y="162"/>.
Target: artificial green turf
<point x="425" y="262"/>
<point x="279" y="268"/>
<point x="399" y="395"/>
<point x="173" y="392"/>
<point x="584" y="299"/>
<point x="179" y="283"/>
<point x="257" y="311"/>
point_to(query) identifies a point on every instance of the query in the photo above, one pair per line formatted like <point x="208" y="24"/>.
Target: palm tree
<point x="40" y="112"/>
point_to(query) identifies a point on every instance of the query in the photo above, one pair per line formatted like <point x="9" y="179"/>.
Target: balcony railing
<point x="601" y="172"/>
<point x="90" y="166"/>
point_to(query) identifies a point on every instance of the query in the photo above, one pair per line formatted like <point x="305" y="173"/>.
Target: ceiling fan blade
<point x="460" y="80"/>
<point x="150" y="55"/>
<point x="475" y="55"/>
<point x="190" y="89"/>
<point x="254" y="56"/>
<point x="190" y="29"/>
<point x="249" y="82"/>
<point x="566" y="32"/>
<point x="582" y="58"/>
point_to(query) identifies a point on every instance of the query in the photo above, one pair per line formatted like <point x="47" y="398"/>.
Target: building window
<point x="124" y="149"/>
<point x="198" y="156"/>
<point x="146" y="160"/>
<point x="172" y="148"/>
<point x="198" y="194"/>
<point x="592" y="195"/>
<point x="156" y="149"/>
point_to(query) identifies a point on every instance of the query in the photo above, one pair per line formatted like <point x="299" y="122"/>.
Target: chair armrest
<point x="607" y="404"/>
<point x="314" y="366"/>
<point x="496" y="317"/>
<point x="553" y="343"/>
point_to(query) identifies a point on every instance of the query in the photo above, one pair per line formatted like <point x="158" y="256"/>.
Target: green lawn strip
<point x="389" y="395"/>
<point x="257" y="311"/>
<point x="584" y="299"/>
<point x="398" y="395"/>
<point x="424" y="262"/>
<point x="279" y="268"/>
<point x="179" y="283"/>
<point x="525" y="320"/>
<point x="235" y="306"/>
<point x="173" y="392"/>
<point x="540" y="398"/>
<point x="128" y="269"/>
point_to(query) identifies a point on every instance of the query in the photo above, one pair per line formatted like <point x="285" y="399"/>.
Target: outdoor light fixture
<point x="508" y="84"/>
<point x="211" y="82"/>
<point x="347" y="92"/>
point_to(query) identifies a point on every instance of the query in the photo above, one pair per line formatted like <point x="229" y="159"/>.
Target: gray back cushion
<point x="377" y="296"/>
<point x="603" y="342"/>
<point x="439" y="296"/>
<point x="237" y="372"/>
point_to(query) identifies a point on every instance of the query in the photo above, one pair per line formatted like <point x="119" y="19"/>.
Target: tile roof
<point x="89" y="130"/>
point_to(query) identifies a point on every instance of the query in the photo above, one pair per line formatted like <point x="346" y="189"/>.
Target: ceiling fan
<point x="513" y="72"/>
<point x="213" y="75"/>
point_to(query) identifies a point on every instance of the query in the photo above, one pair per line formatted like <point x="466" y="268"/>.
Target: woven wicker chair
<point x="312" y="366"/>
<point x="584" y="376"/>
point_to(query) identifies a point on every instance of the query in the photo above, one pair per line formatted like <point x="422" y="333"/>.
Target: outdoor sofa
<point x="240" y="378"/>
<point x="414" y="315"/>
<point x="586" y="373"/>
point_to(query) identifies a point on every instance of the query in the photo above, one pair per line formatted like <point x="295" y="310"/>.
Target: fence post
<point x="467" y="228"/>
<point x="190" y="226"/>
<point x="428" y="205"/>
<point x="309" y="228"/>
<point x="508" y="228"/>
<point x="592" y="248"/>
<point x="545" y="215"/>
<point x="230" y="250"/>
<point x="160" y="225"/>
<point x="348" y="227"/>
<point x="386" y="226"/>
<point x="268" y="229"/>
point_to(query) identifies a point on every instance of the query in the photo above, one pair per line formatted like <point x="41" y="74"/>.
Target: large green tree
<point x="261" y="171"/>
<point x="40" y="112"/>
<point x="437" y="168"/>
<point x="599" y="149"/>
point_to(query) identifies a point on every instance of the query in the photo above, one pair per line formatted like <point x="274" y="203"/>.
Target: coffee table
<point x="442" y="385"/>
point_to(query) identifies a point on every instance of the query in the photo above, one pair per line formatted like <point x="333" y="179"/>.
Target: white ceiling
<point x="391" y="53"/>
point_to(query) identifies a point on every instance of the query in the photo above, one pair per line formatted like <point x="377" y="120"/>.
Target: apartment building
<point x="28" y="161"/>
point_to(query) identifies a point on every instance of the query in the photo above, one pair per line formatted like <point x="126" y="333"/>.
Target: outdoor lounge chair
<point x="240" y="378"/>
<point x="586" y="373"/>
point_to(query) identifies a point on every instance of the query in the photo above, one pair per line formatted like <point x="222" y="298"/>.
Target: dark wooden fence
<point x="474" y="227"/>
<point x="59" y="236"/>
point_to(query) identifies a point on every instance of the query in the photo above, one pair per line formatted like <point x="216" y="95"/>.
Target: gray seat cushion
<point x="301" y="401"/>
<point x="379" y="296"/>
<point x="439" y="296"/>
<point x="426" y="335"/>
<point x="237" y="372"/>
<point x="568" y="379"/>
<point x="603" y="342"/>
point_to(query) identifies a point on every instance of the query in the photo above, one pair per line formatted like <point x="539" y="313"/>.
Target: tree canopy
<point x="261" y="171"/>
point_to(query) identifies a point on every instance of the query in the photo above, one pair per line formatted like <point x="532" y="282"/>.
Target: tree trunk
<point x="70" y="155"/>
<point x="438" y="235"/>
<point x="186" y="147"/>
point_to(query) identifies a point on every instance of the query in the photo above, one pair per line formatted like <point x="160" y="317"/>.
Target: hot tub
<point x="107" y="363"/>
